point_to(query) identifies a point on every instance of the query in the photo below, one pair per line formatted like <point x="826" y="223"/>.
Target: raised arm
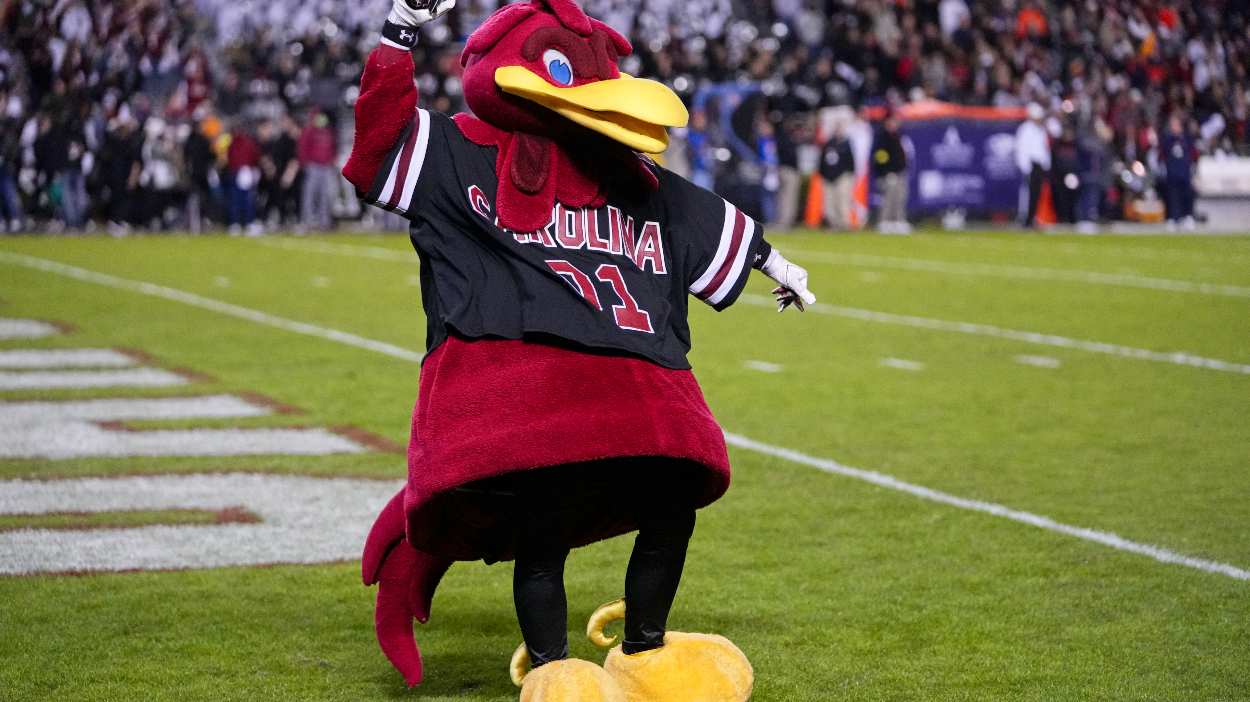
<point x="388" y="94"/>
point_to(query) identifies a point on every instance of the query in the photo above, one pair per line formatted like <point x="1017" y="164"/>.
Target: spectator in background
<point x="771" y="183"/>
<point x="787" y="175"/>
<point x="700" y="151"/>
<point x="11" y="213"/>
<point x="1093" y="139"/>
<point x="1177" y="150"/>
<point x="242" y="178"/>
<point x="58" y="154"/>
<point x="161" y="166"/>
<point x="889" y="160"/>
<point x="1033" y="157"/>
<point x="1064" y="181"/>
<point x="837" y="171"/>
<point x="200" y="162"/>
<point x="317" y="151"/>
<point x="281" y="167"/>
<point x="121" y="164"/>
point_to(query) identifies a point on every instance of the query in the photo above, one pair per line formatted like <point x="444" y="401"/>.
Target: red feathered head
<point x="532" y="66"/>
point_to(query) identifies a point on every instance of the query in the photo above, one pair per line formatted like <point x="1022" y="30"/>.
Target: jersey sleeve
<point x="422" y="152"/>
<point x="721" y="242"/>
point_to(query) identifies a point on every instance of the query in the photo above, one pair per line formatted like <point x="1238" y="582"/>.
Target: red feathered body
<point x="487" y="408"/>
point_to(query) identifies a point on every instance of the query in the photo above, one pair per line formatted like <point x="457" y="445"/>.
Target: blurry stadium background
<point x="121" y="114"/>
<point x="988" y="464"/>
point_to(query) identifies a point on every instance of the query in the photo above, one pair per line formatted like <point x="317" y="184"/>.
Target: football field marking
<point x="208" y="303"/>
<point x="380" y="253"/>
<point x="303" y="520"/>
<point x="887" y="481"/>
<point x="764" y="366"/>
<point x="902" y="364"/>
<point x="1019" y="272"/>
<point x="26" y="329"/>
<point x="63" y="430"/>
<point x="1178" y="357"/>
<point x="77" y="379"/>
<point x="65" y="358"/>
<point x="1105" y="538"/>
<point x="1039" y="361"/>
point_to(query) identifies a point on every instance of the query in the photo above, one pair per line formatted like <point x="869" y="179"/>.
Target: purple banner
<point x="959" y="162"/>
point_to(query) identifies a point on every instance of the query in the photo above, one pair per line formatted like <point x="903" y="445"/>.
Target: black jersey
<point x="613" y="278"/>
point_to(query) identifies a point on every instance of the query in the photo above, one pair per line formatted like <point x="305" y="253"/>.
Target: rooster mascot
<point x="556" y="406"/>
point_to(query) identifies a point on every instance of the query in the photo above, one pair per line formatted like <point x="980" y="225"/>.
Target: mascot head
<point x="533" y="67"/>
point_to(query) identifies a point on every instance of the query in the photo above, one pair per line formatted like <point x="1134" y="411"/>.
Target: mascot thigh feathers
<point x="556" y="405"/>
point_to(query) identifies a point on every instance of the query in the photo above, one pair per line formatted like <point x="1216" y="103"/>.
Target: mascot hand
<point x="414" y="13"/>
<point x="791" y="279"/>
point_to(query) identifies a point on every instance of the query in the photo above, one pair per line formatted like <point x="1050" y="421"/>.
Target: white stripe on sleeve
<point x="418" y="159"/>
<point x="722" y="252"/>
<point x="739" y="261"/>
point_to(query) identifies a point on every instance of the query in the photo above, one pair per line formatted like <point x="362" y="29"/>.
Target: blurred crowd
<point x="168" y="114"/>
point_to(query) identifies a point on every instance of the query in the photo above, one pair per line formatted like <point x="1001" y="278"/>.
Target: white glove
<point x="414" y="13"/>
<point x="791" y="279"/>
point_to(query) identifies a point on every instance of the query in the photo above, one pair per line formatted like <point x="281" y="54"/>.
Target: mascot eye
<point x="558" y="66"/>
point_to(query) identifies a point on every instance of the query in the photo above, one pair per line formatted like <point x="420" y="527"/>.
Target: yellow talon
<point x="607" y="613"/>
<point x="520" y="664"/>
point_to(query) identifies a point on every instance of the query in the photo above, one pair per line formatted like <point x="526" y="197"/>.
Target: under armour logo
<point x="405" y="35"/>
<point x="421" y="4"/>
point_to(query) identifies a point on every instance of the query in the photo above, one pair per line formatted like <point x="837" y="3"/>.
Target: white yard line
<point x="1039" y="361"/>
<point x="1019" y="272"/>
<point x="1178" y="357"/>
<point x="26" y="329"/>
<point x="902" y="364"/>
<point x="78" y="379"/>
<point x="1102" y="537"/>
<point x="764" y="366"/>
<point x="209" y="304"/>
<point x="65" y="358"/>
<point x="303" y="520"/>
<point x="17" y="414"/>
<point x="325" y="247"/>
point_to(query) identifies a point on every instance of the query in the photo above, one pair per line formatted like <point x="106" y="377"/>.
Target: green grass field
<point x="834" y="587"/>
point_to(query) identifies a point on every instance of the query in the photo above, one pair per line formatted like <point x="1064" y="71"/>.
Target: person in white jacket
<point x="1033" y="157"/>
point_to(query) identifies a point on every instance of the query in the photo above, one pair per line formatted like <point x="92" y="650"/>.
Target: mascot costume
<point x="556" y="406"/>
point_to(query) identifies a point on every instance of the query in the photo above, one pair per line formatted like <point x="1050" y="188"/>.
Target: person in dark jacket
<point x="201" y="164"/>
<point x="59" y="152"/>
<point x="280" y="167"/>
<point x="889" y="162"/>
<point x="787" y="175"/>
<point x="1064" y="181"/>
<point x="837" y="170"/>
<point x="121" y="165"/>
<point x="1176" y="150"/>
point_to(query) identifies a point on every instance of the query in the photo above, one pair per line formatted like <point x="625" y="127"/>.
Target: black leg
<point x="661" y="495"/>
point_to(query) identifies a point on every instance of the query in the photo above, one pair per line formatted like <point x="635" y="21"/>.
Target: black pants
<point x="1179" y="198"/>
<point x="1036" y="177"/>
<point x="658" y="492"/>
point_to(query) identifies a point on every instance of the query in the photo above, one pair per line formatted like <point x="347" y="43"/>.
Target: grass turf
<point x="110" y="520"/>
<point x="835" y="589"/>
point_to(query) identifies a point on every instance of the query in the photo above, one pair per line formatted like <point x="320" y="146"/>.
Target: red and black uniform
<point x="556" y="404"/>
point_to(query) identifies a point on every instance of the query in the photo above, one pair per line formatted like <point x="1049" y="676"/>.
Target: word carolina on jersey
<point x="578" y="229"/>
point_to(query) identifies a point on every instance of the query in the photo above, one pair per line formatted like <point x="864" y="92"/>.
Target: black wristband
<point x="761" y="255"/>
<point x="399" y="36"/>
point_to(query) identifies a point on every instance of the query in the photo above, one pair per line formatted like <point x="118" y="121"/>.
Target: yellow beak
<point x="632" y="111"/>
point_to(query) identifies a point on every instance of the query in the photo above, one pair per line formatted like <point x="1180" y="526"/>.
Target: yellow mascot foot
<point x="570" y="680"/>
<point x="689" y="667"/>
